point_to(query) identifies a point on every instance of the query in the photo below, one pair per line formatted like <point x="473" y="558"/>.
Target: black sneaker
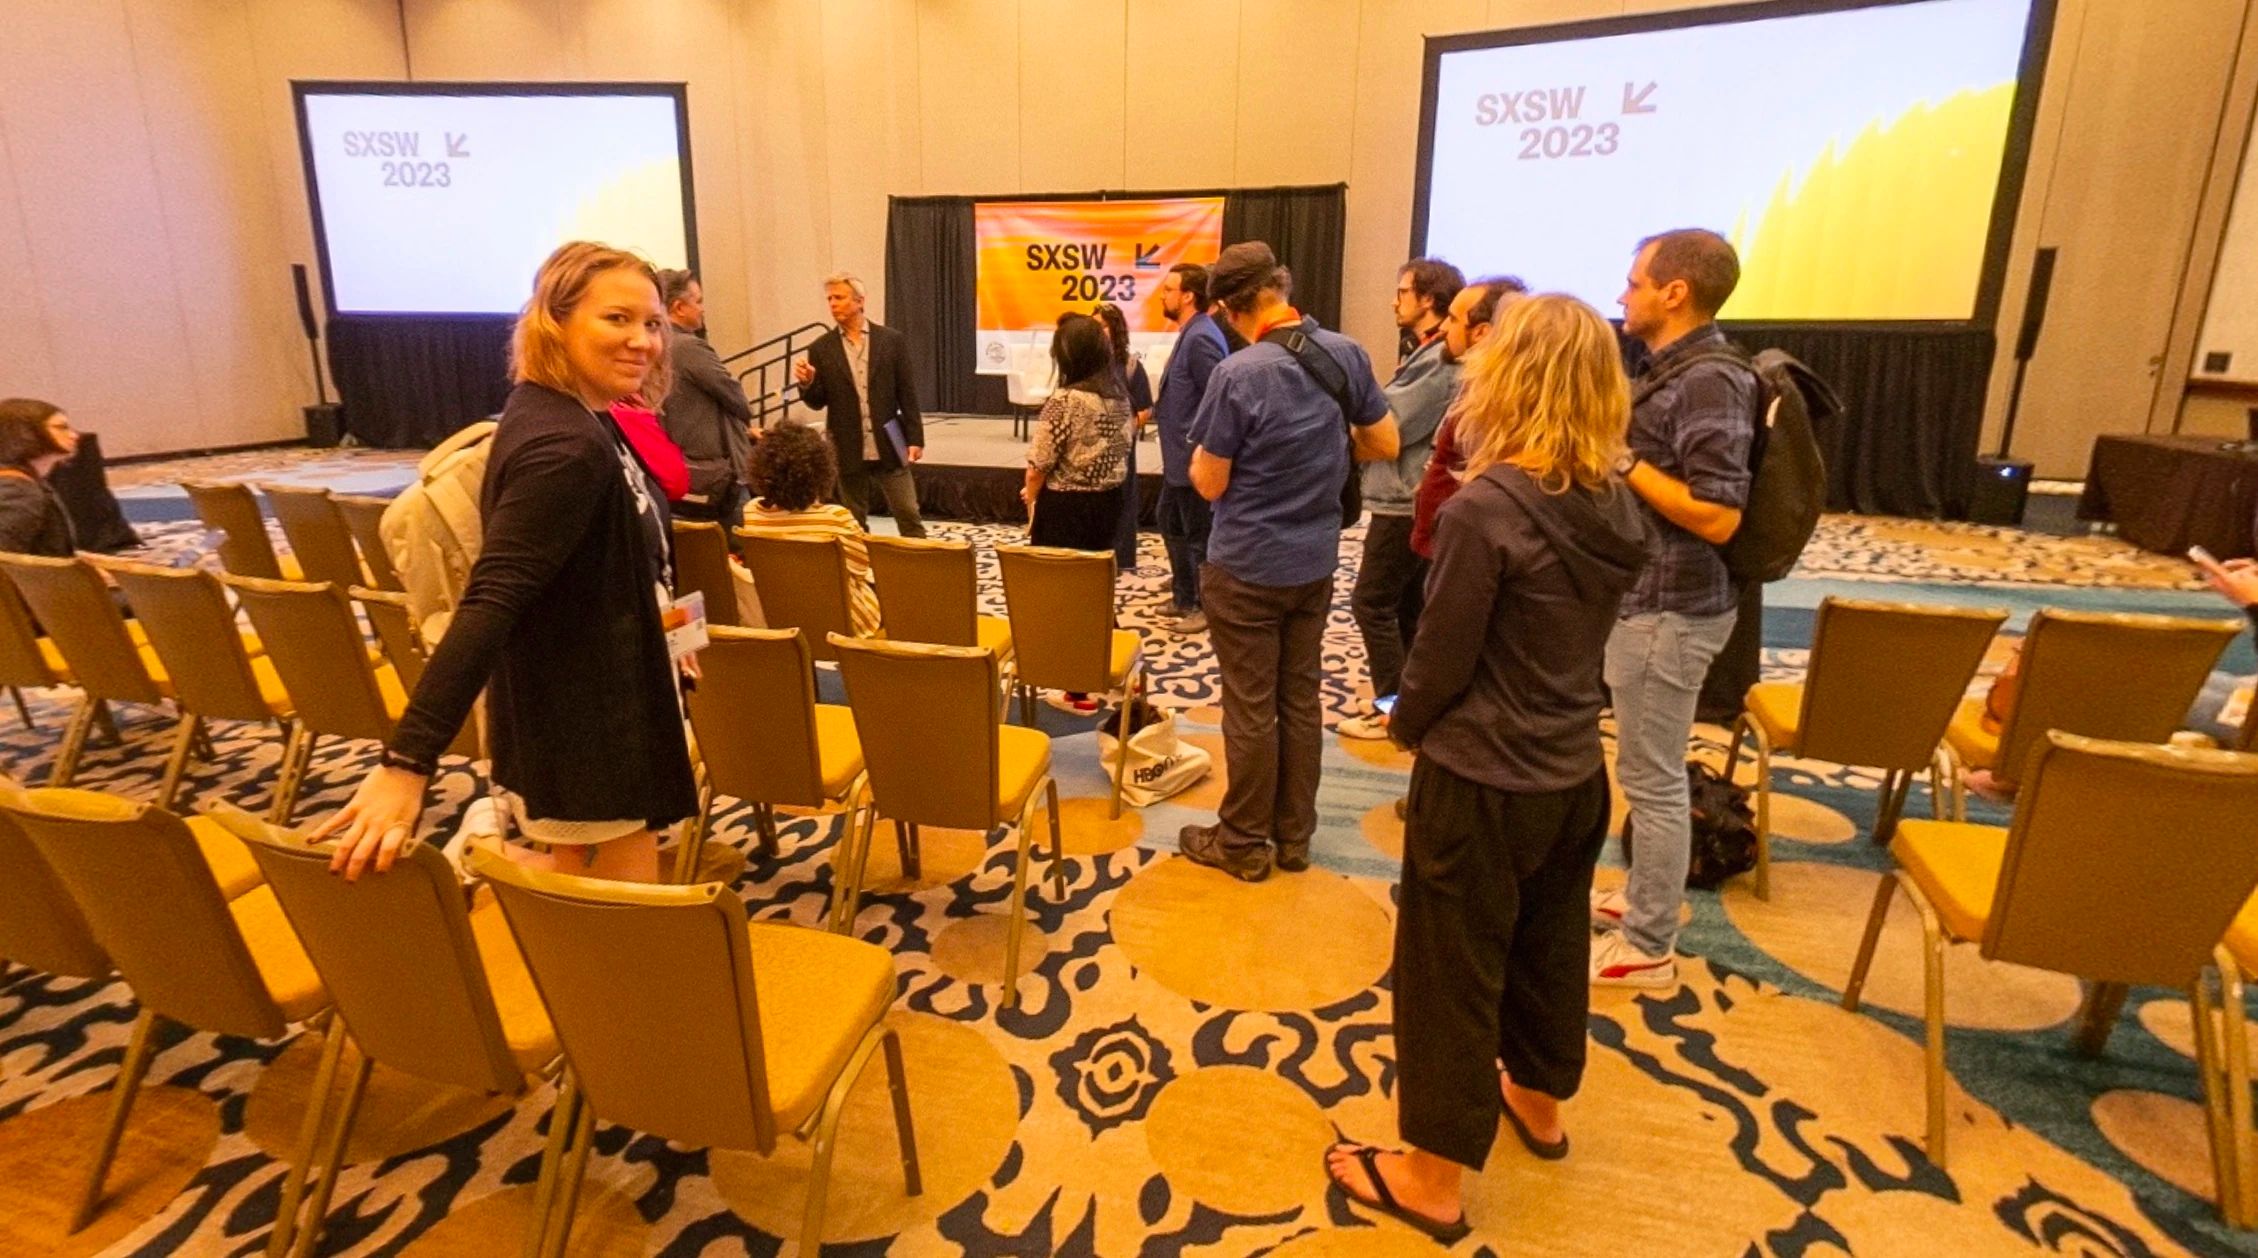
<point x="1292" y="857"/>
<point x="1203" y="845"/>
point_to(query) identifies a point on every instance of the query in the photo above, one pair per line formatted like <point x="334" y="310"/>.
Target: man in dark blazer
<point x="858" y="373"/>
<point x="706" y="412"/>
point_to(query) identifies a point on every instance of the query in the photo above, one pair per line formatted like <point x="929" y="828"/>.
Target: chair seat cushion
<point x="1977" y="747"/>
<point x="819" y="994"/>
<point x="271" y="690"/>
<point x="52" y="656"/>
<point x="1777" y="708"/>
<point x="525" y="1020"/>
<point x="838" y="747"/>
<point x="394" y="694"/>
<point x="232" y="865"/>
<point x="1024" y="757"/>
<point x="2242" y="936"/>
<point x="283" y="964"/>
<point x="1956" y="865"/>
<point x="1126" y="643"/>
<point x="994" y="633"/>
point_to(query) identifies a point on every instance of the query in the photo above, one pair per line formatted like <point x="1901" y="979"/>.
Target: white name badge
<point x="685" y="622"/>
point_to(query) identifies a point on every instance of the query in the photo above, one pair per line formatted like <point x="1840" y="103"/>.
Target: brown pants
<point x="1269" y="644"/>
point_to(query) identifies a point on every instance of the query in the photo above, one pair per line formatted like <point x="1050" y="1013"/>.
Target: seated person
<point x="35" y="437"/>
<point x="792" y="467"/>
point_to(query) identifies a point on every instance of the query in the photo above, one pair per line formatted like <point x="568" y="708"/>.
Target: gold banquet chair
<point x="108" y="656"/>
<point x="41" y="927"/>
<point x="1883" y="682"/>
<point x="191" y="954"/>
<point x="447" y="998"/>
<point x="938" y="755"/>
<point x="2123" y="863"/>
<point x="364" y="519"/>
<point x="802" y="584"/>
<point x="230" y="509"/>
<point x="2236" y="961"/>
<point x="682" y="1019"/>
<point x="2116" y="675"/>
<point x="929" y="591"/>
<point x="1061" y="607"/>
<point x="27" y="660"/>
<point x="192" y="628"/>
<point x="701" y="562"/>
<point x="763" y="738"/>
<point x="318" y="536"/>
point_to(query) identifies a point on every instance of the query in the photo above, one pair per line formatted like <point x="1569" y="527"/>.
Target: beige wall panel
<point x="1297" y="96"/>
<point x="1182" y="121"/>
<point x="494" y="39"/>
<point x="968" y="96"/>
<point x="1074" y="63"/>
<point x="100" y="258"/>
<point x="1510" y="14"/>
<point x="786" y="166"/>
<point x="864" y="55"/>
<point x="23" y="307"/>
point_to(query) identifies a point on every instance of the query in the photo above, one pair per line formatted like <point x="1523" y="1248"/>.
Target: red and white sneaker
<point x="1617" y="963"/>
<point x="1608" y="909"/>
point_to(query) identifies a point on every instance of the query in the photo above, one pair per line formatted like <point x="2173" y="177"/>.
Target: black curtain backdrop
<point x="931" y="271"/>
<point x="411" y="382"/>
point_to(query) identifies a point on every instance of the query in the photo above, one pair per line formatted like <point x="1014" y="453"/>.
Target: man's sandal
<point x="1368" y="1156"/>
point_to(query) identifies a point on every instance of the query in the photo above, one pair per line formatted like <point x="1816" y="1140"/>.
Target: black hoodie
<point x="1502" y="686"/>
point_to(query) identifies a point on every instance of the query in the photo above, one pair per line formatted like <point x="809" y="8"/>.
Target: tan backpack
<point x="433" y="531"/>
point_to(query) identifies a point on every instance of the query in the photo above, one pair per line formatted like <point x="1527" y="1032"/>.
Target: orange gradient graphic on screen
<point x="1892" y="225"/>
<point x="1041" y="259"/>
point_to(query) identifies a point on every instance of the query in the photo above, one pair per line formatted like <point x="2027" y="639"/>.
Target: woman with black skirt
<point x="1077" y="464"/>
<point x="560" y="620"/>
<point x="1501" y="699"/>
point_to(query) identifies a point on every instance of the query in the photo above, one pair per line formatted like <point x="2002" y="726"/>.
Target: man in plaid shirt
<point x="1692" y="422"/>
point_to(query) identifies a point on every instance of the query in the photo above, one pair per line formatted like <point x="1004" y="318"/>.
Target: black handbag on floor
<point x="1724" y="829"/>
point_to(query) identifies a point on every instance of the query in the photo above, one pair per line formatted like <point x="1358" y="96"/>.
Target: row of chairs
<point x="659" y="1008"/>
<point x="1887" y="688"/>
<point x="333" y="537"/>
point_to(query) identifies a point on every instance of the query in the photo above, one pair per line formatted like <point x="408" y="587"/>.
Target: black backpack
<point x="1724" y="829"/>
<point x="1788" y="482"/>
<point x="1330" y="376"/>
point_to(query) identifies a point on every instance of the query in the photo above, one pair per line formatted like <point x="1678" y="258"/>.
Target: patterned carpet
<point x="1186" y="1045"/>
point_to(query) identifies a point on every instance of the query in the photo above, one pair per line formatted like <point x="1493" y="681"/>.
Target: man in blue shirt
<point x="1184" y="516"/>
<point x="1272" y="450"/>
<point x="1693" y="419"/>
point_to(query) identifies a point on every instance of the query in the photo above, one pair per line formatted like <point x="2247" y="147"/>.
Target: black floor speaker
<point x="2003" y="489"/>
<point x="325" y="424"/>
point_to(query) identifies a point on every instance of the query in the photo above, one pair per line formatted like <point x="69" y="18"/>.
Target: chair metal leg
<point x="764" y="818"/>
<point x="2210" y="1064"/>
<point x="1933" y="943"/>
<point x="847" y="866"/>
<point x="2236" y="1046"/>
<point x="692" y="846"/>
<point x="564" y="1115"/>
<point x="206" y="750"/>
<point x="823" y="1132"/>
<point x="1058" y="842"/>
<point x="1018" y="923"/>
<point x="309" y="1137"/>
<point x="22" y="709"/>
<point x="897" y="1082"/>
<point x="74" y="741"/>
<point x="568" y="1187"/>
<point x="107" y="723"/>
<point x="333" y="1156"/>
<point x="1874" y="920"/>
<point x="1763" y="743"/>
<point x="176" y="764"/>
<point x="122" y="1093"/>
<point x="905" y="842"/>
<point x="1121" y="743"/>
<point x="2097" y="1017"/>
<point x="1940" y="773"/>
<point x="1895" y="784"/>
<point x="295" y="752"/>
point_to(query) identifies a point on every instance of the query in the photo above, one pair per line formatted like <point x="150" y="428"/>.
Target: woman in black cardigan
<point x="560" y="619"/>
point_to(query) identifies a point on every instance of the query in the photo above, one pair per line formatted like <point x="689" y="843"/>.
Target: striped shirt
<point x="827" y="519"/>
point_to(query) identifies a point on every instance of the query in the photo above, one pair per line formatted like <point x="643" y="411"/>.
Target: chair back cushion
<point x="2125" y="862"/>
<point x="926" y="716"/>
<point x="928" y="589"/>
<point x="317" y="533"/>
<point x="1885" y="679"/>
<point x="315" y="644"/>
<point x="701" y="562"/>
<point x="83" y="622"/>
<point x="2114" y="675"/>
<point x="364" y="519"/>
<point x="754" y="713"/>
<point x="193" y="630"/>
<point x="802" y="582"/>
<point x="1061" y="608"/>
<point x="40" y="925"/>
<point x="231" y="510"/>
<point x="22" y="663"/>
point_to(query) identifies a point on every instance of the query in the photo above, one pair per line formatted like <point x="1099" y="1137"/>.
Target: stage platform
<point x="972" y="471"/>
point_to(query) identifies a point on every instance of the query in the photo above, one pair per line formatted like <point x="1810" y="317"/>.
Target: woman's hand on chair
<point x="380" y="818"/>
<point x="2237" y="579"/>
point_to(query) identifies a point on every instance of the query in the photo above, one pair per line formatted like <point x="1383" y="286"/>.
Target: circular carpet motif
<point x="606" y="1224"/>
<point x="2163" y="1133"/>
<point x="400" y="1113"/>
<point x="1382" y="829"/>
<point x="963" y="1103"/>
<point x="1205" y="795"/>
<point x="2173" y="1022"/>
<point x="1241" y="1140"/>
<point x="1293" y="941"/>
<point x="944" y="856"/>
<point x="43" y="1164"/>
<point x="1377" y="752"/>
<point x="1085" y="829"/>
<point x="971" y="949"/>
<point x="1812" y="925"/>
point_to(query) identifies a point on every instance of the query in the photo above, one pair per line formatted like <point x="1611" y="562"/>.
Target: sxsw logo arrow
<point x="1148" y="257"/>
<point x="458" y="145"/>
<point x="1635" y="98"/>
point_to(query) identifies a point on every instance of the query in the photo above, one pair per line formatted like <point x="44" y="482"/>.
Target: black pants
<point x="1269" y="647"/>
<point x="898" y="486"/>
<point x="1184" y="521"/>
<point x="1391" y="588"/>
<point x="1493" y="952"/>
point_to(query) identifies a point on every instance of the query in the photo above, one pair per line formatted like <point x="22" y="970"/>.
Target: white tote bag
<point x="1160" y="764"/>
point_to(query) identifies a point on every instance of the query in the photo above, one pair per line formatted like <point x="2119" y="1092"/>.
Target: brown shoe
<point x="1203" y="845"/>
<point x="1292" y="857"/>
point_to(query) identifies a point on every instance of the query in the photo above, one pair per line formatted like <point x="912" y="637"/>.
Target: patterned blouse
<point x="1081" y="441"/>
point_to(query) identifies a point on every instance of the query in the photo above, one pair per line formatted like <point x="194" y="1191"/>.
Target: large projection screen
<point x="1865" y="158"/>
<point x="443" y="198"/>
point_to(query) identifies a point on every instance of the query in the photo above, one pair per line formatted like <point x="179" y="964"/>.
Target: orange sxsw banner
<point x="1041" y="259"/>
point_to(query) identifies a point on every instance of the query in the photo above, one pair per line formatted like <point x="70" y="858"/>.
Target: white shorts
<point x="567" y="833"/>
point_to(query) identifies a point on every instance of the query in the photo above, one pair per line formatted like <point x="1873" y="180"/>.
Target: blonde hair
<point x="1545" y="392"/>
<point x="537" y="349"/>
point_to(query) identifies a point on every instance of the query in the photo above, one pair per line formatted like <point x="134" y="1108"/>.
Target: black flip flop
<point x="1550" y="1152"/>
<point x="1368" y="1156"/>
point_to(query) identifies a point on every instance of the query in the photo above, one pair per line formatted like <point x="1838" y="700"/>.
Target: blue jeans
<point x="1655" y="665"/>
<point x="1184" y="520"/>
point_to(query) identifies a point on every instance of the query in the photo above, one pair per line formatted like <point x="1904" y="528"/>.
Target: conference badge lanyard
<point x="685" y="622"/>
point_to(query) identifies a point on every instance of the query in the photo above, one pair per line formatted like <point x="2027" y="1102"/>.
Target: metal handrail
<point x="779" y="394"/>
